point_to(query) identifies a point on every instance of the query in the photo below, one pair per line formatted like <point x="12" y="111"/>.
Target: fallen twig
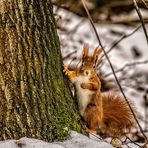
<point x="69" y="54"/>
<point x="132" y="142"/>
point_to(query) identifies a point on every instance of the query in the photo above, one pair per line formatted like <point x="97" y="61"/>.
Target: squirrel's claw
<point x="89" y="130"/>
<point x="65" y="70"/>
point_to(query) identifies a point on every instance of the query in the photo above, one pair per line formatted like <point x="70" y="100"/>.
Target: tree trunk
<point x="34" y="98"/>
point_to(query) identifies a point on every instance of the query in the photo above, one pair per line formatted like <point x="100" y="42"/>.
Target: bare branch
<point x="69" y="54"/>
<point x="127" y="138"/>
<point x="127" y="65"/>
<point x="145" y="98"/>
<point x="144" y="2"/>
<point x="121" y="39"/>
<point x="141" y="19"/>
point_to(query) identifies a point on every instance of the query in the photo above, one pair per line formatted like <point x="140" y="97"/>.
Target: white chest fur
<point x="83" y="95"/>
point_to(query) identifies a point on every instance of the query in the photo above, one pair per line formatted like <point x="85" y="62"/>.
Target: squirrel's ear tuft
<point x="97" y="52"/>
<point x="85" y="50"/>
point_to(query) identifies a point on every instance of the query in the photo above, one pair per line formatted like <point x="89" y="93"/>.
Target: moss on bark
<point x="35" y="100"/>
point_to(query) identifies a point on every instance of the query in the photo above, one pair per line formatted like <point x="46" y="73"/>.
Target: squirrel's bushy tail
<point x="117" y="115"/>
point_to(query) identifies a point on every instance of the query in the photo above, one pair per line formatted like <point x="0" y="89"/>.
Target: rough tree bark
<point x="34" y="98"/>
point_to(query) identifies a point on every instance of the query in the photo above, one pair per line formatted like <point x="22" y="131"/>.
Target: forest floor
<point x="76" y="140"/>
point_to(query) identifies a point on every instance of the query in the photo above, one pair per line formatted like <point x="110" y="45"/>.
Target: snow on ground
<point x="76" y="141"/>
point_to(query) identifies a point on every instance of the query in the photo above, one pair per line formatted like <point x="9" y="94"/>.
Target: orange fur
<point x="105" y="113"/>
<point x="116" y="117"/>
<point x="91" y="86"/>
<point x="69" y="73"/>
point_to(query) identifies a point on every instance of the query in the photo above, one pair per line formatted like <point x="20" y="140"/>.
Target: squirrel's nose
<point x="87" y="72"/>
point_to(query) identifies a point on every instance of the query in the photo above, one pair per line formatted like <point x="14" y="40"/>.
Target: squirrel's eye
<point x="94" y="66"/>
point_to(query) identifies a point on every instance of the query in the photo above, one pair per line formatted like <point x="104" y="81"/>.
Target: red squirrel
<point x="104" y="113"/>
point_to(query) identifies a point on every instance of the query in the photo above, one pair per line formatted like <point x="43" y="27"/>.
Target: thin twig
<point x="145" y="3"/>
<point x="96" y="136"/>
<point x="71" y="61"/>
<point x="127" y="65"/>
<point x="98" y="38"/>
<point x="132" y="142"/>
<point x="69" y="54"/>
<point x="145" y="97"/>
<point x="122" y="38"/>
<point x="141" y="19"/>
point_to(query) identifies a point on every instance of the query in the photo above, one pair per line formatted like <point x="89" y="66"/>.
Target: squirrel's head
<point x="90" y="61"/>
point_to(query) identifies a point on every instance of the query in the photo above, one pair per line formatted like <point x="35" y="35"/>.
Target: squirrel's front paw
<point x="83" y="85"/>
<point x="65" y="70"/>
